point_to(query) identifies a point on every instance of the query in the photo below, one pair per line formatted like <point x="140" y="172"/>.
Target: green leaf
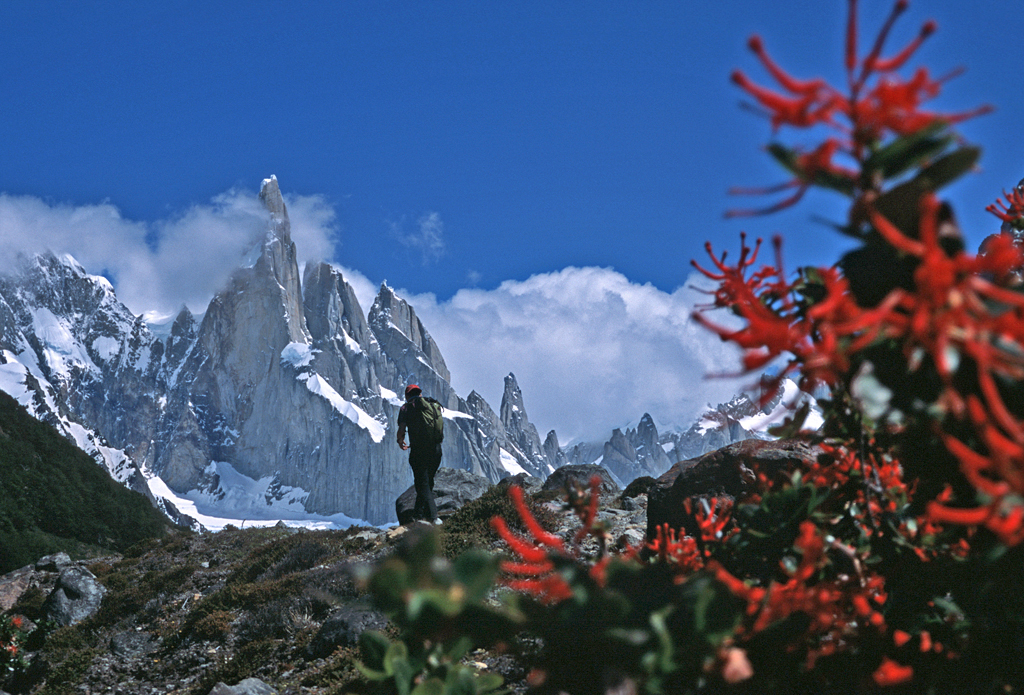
<point x="713" y="616"/>
<point x="660" y="661"/>
<point x="431" y="686"/>
<point x="907" y="152"/>
<point x="785" y="156"/>
<point x="947" y="169"/>
<point x="461" y="681"/>
<point x="374" y="645"/>
<point x="389" y="585"/>
<point x="788" y="158"/>
<point x="431" y="601"/>
<point x="486" y="682"/>
<point x="459" y="648"/>
<point x="404" y="675"/>
<point x="370" y="673"/>
<point x="476" y="570"/>
<point x="396" y="655"/>
<point x="836" y="182"/>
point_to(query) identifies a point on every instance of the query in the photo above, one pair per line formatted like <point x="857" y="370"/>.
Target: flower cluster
<point x="1012" y="211"/>
<point x="893" y="556"/>
<point x="688" y="554"/>
<point x="535" y="571"/>
<point x="12" y="635"/>
<point x="878" y="102"/>
<point x="836" y="606"/>
<point x="959" y="312"/>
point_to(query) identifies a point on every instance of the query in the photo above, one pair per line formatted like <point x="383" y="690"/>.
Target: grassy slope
<point x="55" y="497"/>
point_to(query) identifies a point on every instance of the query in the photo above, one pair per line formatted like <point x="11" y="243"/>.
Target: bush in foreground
<point x="892" y="561"/>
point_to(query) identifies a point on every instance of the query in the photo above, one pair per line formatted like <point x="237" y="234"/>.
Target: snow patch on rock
<point x="298" y="354"/>
<point x="318" y="385"/>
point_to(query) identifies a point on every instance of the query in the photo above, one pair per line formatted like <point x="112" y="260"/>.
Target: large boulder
<point x="343" y="627"/>
<point x="453" y="487"/>
<point x="579" y="476"/>
<point x="249" y="686"/>
<point x="527" y="483"/>
<point x="76" y="596"/>
<point x="13" y="585"/>
<point x="728" y="472"/>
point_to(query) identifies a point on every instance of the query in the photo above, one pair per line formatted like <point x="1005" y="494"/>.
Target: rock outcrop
<point x="728" y="472"/>
<point x="453" y="488"/>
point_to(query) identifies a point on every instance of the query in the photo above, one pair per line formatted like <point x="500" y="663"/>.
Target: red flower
<point x="876" y="104"/>
<point x="1011" y="212"/>
<point x="892" y="673"/>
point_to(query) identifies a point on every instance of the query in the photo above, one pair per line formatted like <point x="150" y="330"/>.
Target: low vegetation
<point x="54" y="497"/>
<point x="223" y="607"/>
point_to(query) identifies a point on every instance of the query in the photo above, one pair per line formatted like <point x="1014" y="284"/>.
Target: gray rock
<point x="76" y="596"/>
<point x="342" y="629"/>
<point x="452" y="489"/>
<point x="528" y="483"/>
<point x="250" y="686"/>
<point x="580" y="476"/>
<point x="13" y="585"/>
<point x="728" y="472"/>
<point x="133" y="643"/>
<point x="53" y="563"/>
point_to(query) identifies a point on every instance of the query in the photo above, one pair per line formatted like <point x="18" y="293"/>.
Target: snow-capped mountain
<point x="643" y="451"/>
<point x="279" y="399"/>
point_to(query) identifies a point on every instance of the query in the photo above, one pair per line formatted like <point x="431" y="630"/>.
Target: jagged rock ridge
<point x="283" y="381"/>
<point x="642" y="451"/>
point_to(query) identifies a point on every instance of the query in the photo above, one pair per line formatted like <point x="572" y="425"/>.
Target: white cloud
<point x="192" y="255"/>
<point x="591" y="350"/>
<point x="427" y="239"/>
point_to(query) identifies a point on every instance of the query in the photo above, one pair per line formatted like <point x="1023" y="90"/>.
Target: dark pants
<point x="425" y="460"/>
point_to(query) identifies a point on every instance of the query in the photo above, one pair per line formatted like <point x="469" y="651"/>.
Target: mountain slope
<point x="53" y="496"/>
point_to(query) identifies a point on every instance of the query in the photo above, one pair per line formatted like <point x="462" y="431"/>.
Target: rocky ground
<point x="250" y="611"/>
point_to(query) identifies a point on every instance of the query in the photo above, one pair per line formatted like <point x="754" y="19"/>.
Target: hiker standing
<point x="422" y="416"/>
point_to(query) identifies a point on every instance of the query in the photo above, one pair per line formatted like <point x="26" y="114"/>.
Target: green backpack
<point x="431" y="418"/>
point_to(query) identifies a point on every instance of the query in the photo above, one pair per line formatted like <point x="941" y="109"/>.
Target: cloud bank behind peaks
<point x="591" y="350"/>
<point x="157" y="266"/>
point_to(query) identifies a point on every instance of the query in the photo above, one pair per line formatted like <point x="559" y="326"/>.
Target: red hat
<point x="412" y="388"/>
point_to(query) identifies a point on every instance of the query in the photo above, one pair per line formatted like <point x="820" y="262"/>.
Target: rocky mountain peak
<point x="552" y="451"/>
<point x="184" y="323"/>
<point x="394" y="321"/>
<point x="332" y="309"/>
<point x="270" y="196"/>
<point x="512" y="398"/>
<point x="520" y="430"/>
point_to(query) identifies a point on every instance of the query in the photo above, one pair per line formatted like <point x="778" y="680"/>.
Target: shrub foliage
<point x="54" y="497"/>
<point x="894" y="560"/>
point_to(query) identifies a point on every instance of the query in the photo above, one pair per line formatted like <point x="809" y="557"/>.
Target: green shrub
<point x="214" y="625"/>
<point x="54" y="497"/>
<point x="470" y="526"/>
<point x="890" y="561"/>
<point x="244" y="664"/>
<point x="30" y="603"/>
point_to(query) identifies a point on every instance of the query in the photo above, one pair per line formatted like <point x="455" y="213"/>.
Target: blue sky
<point x="459" y="150"/>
